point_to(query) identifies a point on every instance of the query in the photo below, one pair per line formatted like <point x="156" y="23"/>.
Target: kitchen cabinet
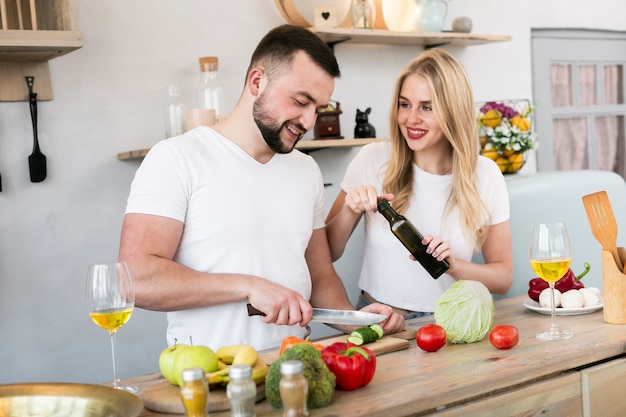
<point x="32" y="32"/>
<point x="305" y="146"/>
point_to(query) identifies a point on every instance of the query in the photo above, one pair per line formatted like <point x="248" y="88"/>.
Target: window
<point x="578" y="83"/>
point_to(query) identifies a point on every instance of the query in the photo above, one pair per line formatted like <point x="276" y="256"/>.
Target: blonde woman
<point x="432" y="173"/>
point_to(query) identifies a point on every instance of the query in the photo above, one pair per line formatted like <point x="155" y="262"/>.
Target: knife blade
<point x="329" y="316"/>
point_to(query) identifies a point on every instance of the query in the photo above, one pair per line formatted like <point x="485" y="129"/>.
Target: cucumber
<point x="364" y="335"/>
<point x="378" y="329"/>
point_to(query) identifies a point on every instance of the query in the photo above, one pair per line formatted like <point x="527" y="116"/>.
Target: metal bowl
<point x="67" y="400"/>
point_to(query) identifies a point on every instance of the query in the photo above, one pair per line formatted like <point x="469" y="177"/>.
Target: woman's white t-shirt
<point x="387" y="273"/>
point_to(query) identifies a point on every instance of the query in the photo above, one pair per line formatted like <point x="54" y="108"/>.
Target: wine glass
<point x="550" y="257"/>
<point x="111" y="299"/>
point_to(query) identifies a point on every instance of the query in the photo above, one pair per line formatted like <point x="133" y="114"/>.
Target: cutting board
<point x="386" y="344"/>
<point x="164" y="397"/>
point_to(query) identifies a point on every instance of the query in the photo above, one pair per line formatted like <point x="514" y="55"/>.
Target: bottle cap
<point x="240" y="371"/>
<point x="383" y="204"/>
<point x="208" y="63"/>
<point x="291" y="367"/>
<point x="192" y="374"/>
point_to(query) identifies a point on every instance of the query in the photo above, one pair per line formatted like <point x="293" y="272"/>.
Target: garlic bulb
<point x="572" y="299"/>
<point x="545" y="299"/>
<point x="590" y="297"/>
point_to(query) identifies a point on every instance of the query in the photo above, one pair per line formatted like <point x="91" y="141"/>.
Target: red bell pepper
<point x="569" y="281"/>
<point x="354" y="366"/>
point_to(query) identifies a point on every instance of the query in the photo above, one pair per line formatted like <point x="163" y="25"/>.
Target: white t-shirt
<point x="387" y="273"/>
<point x="240" y="216"/>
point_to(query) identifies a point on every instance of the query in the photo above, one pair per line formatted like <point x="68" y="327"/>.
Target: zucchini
<point x="366" y="335"/>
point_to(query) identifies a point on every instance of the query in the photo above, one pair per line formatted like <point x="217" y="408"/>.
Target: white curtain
<point x="571" y="141"/>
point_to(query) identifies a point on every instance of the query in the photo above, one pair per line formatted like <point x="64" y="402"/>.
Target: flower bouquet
<point x="505" y="133"/>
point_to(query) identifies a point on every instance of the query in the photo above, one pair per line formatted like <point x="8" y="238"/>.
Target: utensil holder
<point x="614" y="288"/>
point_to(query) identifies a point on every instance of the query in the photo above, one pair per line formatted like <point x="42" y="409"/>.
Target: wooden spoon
<point x="602" y="222"/>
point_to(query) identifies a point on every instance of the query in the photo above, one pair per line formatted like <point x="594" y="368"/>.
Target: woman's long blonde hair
<point x="453" y="107"/>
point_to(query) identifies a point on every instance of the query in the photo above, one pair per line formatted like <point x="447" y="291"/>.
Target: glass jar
<point x="241" y="391"/>
<point x="293" y="389"/>
<point x="210" y="91"/>
<point x="194" y="392"/>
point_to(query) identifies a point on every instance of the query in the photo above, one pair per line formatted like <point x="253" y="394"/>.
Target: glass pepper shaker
<point x="293" y="388"/>
<point x="241" y="391"/>
<point x="194" y="392"/>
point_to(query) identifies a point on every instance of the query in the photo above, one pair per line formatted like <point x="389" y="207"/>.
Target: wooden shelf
<point x="38" y="45"/>
<point x="32" y="33"/>
<point x="304" y="146"/>
<point x="379" y="36"/>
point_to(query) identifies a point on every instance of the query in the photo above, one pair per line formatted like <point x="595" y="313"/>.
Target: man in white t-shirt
<point x="224" y="216"/>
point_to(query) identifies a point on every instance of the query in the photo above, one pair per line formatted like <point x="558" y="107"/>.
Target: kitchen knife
<point x="361" y="318"/>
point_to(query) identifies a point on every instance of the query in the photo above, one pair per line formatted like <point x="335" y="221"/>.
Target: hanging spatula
<point x="602" y="222"/>
<point x="36" y="160"/>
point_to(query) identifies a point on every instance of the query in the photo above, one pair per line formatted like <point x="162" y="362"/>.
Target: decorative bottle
<point x="362" y="14"/>
<point x="174" y="112"/>
<point x="411" y="239"/>
<point x="293" y="389"/>
<point x="194" y="392"/>
<point x="210" y="90"/>
<point x="241" y="391"/>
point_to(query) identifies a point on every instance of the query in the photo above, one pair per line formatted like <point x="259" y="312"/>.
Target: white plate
<point x="560" y="311"/>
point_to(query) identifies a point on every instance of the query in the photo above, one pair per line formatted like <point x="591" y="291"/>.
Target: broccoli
<point x="321" y="379"/>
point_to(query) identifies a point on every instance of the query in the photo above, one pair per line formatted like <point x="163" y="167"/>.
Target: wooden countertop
<point x="414" y="382"/>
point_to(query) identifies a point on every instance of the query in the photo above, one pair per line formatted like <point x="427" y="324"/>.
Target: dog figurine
<point x="364" y="128"/>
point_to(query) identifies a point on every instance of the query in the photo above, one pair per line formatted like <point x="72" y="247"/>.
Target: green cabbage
<point x="465" y="311"/>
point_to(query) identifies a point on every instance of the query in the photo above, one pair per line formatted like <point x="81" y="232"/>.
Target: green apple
<point x="166" y="360"/>
<point x="196" y="356"/>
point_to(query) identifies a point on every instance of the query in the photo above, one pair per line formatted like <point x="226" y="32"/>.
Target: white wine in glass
<point x="550" y="257"/>
<point x="111" y="299"/>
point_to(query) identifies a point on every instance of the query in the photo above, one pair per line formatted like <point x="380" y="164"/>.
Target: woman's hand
<point x="364" y="198"/>
<point x="439" y="249"/>
<point x="394" y="323"/>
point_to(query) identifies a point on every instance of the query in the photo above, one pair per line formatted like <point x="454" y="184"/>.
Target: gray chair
<point x="557" y="196"/>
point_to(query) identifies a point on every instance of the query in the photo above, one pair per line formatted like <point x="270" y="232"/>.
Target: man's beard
<point x="268" y="129"/>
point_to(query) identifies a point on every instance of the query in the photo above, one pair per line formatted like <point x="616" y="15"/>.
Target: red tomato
<point x="431" y="337"/>
<point x="504" y="336"/>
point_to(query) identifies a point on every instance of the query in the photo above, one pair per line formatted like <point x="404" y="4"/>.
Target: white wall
<point x="108" y="98"/>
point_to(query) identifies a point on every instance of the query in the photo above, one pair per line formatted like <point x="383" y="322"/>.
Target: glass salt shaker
<point x="241" y="391"/>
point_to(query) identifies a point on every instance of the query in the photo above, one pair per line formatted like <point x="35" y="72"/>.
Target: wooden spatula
<point x="602" y="222"/>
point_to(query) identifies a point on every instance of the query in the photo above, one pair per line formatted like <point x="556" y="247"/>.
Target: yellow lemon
<point x="489" y="153"/>
<point x="507" y="152"/>
<point x="516" y="161"/>
<point x="492" y="118"/>
<point x="503" y="163"/>
<point x="521" y="122"/>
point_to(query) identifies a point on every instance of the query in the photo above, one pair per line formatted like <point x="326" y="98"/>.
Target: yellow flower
<point x="521" y="122"/>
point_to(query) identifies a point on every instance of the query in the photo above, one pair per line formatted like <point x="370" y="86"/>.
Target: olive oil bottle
<point x="412" y="240"/>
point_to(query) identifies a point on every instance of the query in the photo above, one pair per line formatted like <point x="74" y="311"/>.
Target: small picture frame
<point x="325" y="17"/>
